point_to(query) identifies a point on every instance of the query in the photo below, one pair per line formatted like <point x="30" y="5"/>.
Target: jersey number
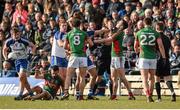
<point x="76" y="40"/>
<point x="147" y="40"/>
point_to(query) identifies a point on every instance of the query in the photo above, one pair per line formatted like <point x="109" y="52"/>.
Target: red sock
<point x="148" y="93"/>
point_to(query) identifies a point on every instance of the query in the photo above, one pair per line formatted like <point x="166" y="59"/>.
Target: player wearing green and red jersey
<point x="52" y="84"/>
<point x="117" y="60"/>
<point x="75" y="42"/>
<point x="146" y="39"/>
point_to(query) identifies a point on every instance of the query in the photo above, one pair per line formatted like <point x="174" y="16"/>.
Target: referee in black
<point x="163" y="65"/>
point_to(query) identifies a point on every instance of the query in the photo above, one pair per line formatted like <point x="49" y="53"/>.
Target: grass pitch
<point x="7" y="102"/>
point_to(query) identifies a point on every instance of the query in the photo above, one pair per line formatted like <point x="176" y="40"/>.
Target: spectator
<point x="20" y="12"/>
<point x="8" y="70"/>
<point x="8" y="10"/>
<point x="28" y="32"/>
<point x="115" y="5"/>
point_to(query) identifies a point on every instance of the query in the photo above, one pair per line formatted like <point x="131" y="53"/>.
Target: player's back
<point x="77" y="39"/>
<point x="147" y="40"/>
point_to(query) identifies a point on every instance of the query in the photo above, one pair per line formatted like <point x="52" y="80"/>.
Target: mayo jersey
<point x="56" y="49"/>
<point x="77" y="40"/>
<point x="147" y="40"/>
<point x="18" y="47"/>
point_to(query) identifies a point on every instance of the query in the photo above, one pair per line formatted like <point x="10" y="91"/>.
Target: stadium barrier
<point x="9" y="86"/>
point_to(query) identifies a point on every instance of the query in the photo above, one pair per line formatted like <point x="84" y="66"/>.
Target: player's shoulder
<point x="9" y="41"/>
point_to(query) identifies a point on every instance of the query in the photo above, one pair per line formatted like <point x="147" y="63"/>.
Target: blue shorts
<point x="61" y="62"/>
<point x="90" y="64"/>
<point x="21" y="64"/>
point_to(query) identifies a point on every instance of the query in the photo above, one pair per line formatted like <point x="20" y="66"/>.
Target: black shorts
<point x="163" y="70"/>
<point x="103" y="65"/>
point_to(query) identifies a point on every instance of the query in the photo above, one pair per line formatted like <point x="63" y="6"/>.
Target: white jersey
<point x="58" y="51"/>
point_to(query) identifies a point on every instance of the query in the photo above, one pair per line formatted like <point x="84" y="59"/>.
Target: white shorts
<point x="117" y="62"/>
<point x="147" y="63"/>
<point x="76" y="62"/>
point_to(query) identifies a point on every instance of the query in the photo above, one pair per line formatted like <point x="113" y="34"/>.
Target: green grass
<point x="103" y="103"/>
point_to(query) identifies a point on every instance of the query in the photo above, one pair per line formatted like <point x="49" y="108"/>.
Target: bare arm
<point x="38" y="75"/>
<point x="161" y="47"/>
<point x="61" y="43"/>
<point x="66" y="44"/>
<point x="97" y="32"/>
<point x="5" y="49"/>
<point x="33" y="47"/>
<point x="136" y="46"/>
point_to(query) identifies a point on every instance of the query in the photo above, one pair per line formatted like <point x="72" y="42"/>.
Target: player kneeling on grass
<point x="52" y="85"/>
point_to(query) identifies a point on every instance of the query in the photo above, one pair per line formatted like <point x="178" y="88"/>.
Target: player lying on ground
<point x="49" y="90"/>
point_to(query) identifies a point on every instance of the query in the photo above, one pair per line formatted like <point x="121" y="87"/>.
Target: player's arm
<point x="161" y="47"/>
<point x="98" y="32"/>
<point x="66" y="44"/>
<point x="136" y="45"/>
<point x="60" y="43"/>
<point x="33" y="47"/>
<point x="38" y="75"/>
<point x="5" y="51"/>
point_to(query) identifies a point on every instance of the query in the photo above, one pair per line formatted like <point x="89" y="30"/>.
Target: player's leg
<point x="126" y="83"/>
<point x="158" y="88"/>
<point x="151" y="81"/>
<point x="114" y="78"/>
<point x="82" y="74"/>
<point x="168" y="80"/>
<point x="42" y="96"/>
<point x="21" y="67"/>
<point x="77" y="84"/>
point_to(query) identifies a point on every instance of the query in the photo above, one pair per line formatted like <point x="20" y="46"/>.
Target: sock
<point x="148" y="93"/>
<point x="77" y="93"/>
<point x="90" y="92"/>
<point x="130" y="93"/>
<point x="20" y="93"/>
<point x="158" y="89"/>
<point x="170" y="86"/>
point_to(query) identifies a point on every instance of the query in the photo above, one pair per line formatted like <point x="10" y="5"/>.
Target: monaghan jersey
<point x="77" y="40"/>
<point x="147" y="40"/>
<point x="18" y="47"/>
<point x="56" y="49"/>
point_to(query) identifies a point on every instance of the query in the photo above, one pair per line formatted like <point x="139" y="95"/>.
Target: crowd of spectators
<point x="38" y="21"/>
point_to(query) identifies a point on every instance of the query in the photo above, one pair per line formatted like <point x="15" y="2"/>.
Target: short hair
<point x="76" y="22"/>
<point x="161" y="25"/>
<point x="14" y="29"/>
<point x="147" y="21"/>
<point x="55" y="68"/>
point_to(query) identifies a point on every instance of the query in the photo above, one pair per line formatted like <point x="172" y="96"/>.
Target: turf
<point x="103" y="103"/>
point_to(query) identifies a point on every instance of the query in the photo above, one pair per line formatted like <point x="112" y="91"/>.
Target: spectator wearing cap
<point x="127" y="11"/>
<point x="8" y="70"/>
<point x="20" y="12"/>
<point x="8" y="10"/>
<point x="115" y="5"/>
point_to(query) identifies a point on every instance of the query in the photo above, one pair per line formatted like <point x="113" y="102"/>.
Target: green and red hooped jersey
<point x="77" y="39"/>
<point x="147" y="38"/>
<point x="49" y="80"/>
<point x="117" y="49"/>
